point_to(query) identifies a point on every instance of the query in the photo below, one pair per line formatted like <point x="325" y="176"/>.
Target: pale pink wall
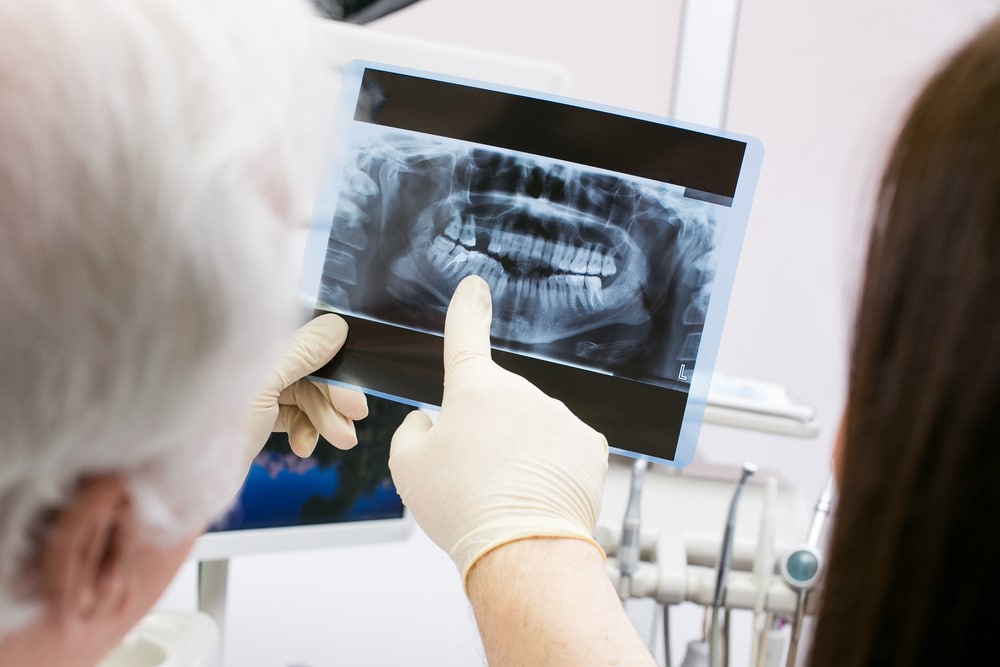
<point x="620" y="53"/>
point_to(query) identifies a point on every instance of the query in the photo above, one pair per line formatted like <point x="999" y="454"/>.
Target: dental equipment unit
<point x="680" y="563"/>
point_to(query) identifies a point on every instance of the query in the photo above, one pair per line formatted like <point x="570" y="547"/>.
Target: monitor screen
<point x="331" y="497"/>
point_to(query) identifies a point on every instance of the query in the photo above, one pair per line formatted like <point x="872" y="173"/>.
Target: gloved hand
<point x="503" y="461"/>
<point x="303" y="408"/>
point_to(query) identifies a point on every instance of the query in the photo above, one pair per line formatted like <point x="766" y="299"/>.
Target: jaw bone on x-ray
<point x="586" y="266"/>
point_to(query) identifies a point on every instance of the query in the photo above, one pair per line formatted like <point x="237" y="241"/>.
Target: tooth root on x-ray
<point x="579" y="263"/>
<point x="467" y="236"/>
<point x="460" y="262"/>
<point x="608" y="267"/>
<point x="441" y="247"/>
<point x="562" y="257"/>
<point x="454" y="228"/>
<point x="499" y="284"/>
<point x="595" y="293"/>
<point x="492" y="272"/>
<point x="537" y="250"/>
<point x="495" y="246"/>
<point x="595" y="263"/>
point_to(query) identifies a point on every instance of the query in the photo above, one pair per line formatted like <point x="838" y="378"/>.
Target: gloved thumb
<point x="467" y="324"/>
<point x="416" y="424"/>
<point x="313" y="346"/>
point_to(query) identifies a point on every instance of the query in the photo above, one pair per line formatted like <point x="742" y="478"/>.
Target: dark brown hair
<point x="914" y="558"/>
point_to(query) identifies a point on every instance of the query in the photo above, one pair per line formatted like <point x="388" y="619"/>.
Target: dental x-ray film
<point x="609" y="240"/>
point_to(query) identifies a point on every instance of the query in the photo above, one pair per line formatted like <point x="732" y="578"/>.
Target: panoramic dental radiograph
<point x="586" y="266"/>
<point x="609" y="239"/>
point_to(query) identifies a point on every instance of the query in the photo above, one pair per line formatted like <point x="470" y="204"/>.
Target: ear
<point x="86" y="558"/>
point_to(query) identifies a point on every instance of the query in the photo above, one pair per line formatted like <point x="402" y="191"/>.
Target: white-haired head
<point x="154" y="155"/>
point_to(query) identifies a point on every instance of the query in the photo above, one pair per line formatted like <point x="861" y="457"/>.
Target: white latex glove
<point x="306" y="409"/>
<point x="503" y="461"/>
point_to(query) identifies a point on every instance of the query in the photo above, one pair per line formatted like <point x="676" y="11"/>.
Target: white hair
<point x="153" y="157"/>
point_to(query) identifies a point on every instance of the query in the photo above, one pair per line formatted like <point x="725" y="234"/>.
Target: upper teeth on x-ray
<point x="589" y="267"/>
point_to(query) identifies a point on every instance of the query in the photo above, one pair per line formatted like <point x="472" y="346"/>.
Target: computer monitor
<point x="330" y="498"/>
<point x="334" y="497"/>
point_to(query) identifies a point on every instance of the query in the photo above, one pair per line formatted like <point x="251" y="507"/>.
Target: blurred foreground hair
<point x="913" y="565"/>
<point x="154" y="156"/>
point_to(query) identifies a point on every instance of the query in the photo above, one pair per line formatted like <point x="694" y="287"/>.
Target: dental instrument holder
<point x="672" y="572"/>
<point x="670" y="578"/>
<point x="756" y="405"/>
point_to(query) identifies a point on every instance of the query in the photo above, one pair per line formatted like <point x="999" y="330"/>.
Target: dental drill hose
<point x="725" y="558"/>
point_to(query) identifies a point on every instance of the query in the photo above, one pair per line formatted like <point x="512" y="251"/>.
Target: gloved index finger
<point x="467" y="323"/>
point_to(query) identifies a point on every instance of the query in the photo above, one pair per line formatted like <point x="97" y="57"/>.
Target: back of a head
<point x="912" y="572"/>
<point x="153" y="155"/>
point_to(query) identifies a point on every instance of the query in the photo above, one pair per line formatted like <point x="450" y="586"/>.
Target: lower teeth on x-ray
<point x="591" y="268"/>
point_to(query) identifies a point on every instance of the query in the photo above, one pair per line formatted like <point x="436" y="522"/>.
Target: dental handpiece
<point x="801" y="567"/>
<point x="726" y="553"/>
<point x="820" y="513"/>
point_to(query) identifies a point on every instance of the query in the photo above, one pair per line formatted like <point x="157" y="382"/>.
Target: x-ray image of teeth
<point x="591" y="268"/>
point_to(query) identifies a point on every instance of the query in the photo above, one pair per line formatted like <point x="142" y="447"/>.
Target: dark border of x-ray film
<point x="640" y="420"/>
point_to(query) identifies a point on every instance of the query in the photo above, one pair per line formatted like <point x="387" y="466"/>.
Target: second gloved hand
<point x="503" y="461"/>
<point x="300" y="407"/>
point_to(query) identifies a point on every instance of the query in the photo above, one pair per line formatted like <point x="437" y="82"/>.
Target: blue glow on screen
<point x="331" y="486"/>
